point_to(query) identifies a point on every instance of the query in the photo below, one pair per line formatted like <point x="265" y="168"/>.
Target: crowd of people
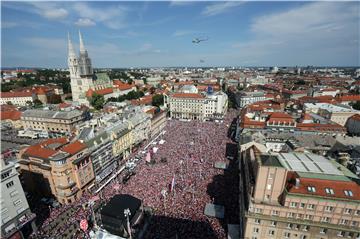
<point x="177" y="184"/>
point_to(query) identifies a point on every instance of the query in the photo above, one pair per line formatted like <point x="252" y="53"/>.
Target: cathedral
<point x="83" y="79"/>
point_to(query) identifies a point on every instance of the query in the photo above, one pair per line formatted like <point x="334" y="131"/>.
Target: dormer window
<point x="348" y="193"/>
<point x="329" y="191"/>
<point x="311" y="189"/>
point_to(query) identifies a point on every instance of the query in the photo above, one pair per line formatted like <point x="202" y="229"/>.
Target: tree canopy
<point x="97" y="101"/>
<point x="157" y="100"/>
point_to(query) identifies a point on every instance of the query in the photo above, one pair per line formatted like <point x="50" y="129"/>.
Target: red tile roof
<point x="105" y="91"/>
<point x="349" y="98"/>
<point x="10" y="115"/>
<point x="187" y="95"/>
<point x="42" y="150"/>
<point x="74" y="148"/>
<point x="320" y="127"/>
<point x="321" y="185"/>
<point x="15" y="94"/>
<point x="122" y="85"/>
<point x="355" y="117"/>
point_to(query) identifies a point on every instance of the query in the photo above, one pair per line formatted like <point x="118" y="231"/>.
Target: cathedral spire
<point x="82" y="47"/>
<point x="71" y="51"/>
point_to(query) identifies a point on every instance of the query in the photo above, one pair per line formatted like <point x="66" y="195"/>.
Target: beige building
<point x="123" y="140"/>
<point x="298" y="195"/>
<point x="195" y="106"/>
<point x="57" y="168"/>
<point x="52" y="121"/>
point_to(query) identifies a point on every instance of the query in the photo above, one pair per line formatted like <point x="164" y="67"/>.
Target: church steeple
<point x="71" y="51"/>
<point x="82" y="46"/>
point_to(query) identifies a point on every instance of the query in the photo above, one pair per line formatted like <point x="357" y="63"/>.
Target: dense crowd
<point x="177" y="184"/>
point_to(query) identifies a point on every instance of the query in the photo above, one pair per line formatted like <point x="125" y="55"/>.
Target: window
<point x="341" y="234"/>
<point x="299" y="216"/>
<point x="257" y="221"/>
<point x="329" y="191"/>
<point x="275" y="213"/>
<point x="325" y="219"/>
<point x="17" y="202"/>
<point x="256" y="230"/>
<point x="258" y="210"/>
<point x="343" y="222"/>
<point x="297" y="227"/>
<point x="323" y="230"/>
<point x="273" y="224"/>
<point x="289" y="225"/>
<point x="253" y="237"/>
<point x="347" y="211"/>
<point x="14" y="193"/>
<point x="290" y="214"/>
<point x="306" y="228"/>
<point x="354" y="223"/>
<point x="311" y="189"/>
<point x="303" y="237"/>
<point x="268" y="187"/>
<point x="5" y="175"/>
<point x="302" y="205"/>
<point x="287" y="234"/>
<point x="271" y="232"/>
<point x="348" y="193"/>
<point x="329" y="209"/>
<point x="293" y="204"/>
<point x="271" y="176"/>
<point x="311" y="206"/>
<point x="10" y="184"/>
<point x="308" y="217"/>
<point x="357" y="212"/>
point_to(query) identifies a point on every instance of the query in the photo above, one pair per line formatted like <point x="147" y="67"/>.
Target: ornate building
<point x="82" y="75"/>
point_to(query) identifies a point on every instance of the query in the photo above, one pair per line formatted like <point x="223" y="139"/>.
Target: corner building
<point x="298" y="195"/>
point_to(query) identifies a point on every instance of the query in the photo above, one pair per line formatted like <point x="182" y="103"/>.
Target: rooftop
<point x="50" y="114"/>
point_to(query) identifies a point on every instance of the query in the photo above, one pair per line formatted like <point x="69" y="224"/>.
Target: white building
<point x="15" y="212"/>
<point x="82" y="74"/>
<point x="17" y="98"/>
<point x="246" y="98"/>
<point x="197" y="106"/>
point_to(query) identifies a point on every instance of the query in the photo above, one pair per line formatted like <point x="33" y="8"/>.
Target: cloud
<point x="317" y="33"/>
<point x="219" y="8"/>
<point x="112" y="17"/>
<point x="85" y="22"/>
<point x="49" y="10"/>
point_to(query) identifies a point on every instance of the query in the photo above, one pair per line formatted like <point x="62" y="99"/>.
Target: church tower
<point x="84" y="60"/>
<point x="72" y="60"/>
<point x="81" y="72"/>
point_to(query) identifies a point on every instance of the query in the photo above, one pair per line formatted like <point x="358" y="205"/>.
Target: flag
<point x="148" y="157"/>
<point x="172" y="184"/>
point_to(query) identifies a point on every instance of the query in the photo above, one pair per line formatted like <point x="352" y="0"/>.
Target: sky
<point x="160" y="34"/>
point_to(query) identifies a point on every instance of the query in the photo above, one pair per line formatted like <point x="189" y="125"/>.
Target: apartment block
<point x="298" y="195"/>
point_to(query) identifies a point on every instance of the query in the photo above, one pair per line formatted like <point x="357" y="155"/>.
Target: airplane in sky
<point x="198" y="40"/>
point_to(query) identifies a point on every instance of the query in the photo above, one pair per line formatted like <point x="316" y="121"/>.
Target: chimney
<point x="297" y="182"/>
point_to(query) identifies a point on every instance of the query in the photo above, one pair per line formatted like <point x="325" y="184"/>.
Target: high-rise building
<point x="82" y="75"/>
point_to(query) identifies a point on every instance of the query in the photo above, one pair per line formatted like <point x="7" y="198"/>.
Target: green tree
<point x="37" y="103"/>
<point x="356" y="105"/>
<point x="157" y="100"/>
<point x="97" y="101"/>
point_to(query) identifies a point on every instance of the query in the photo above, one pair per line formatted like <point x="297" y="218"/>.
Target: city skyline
<point x="160" y="34"/>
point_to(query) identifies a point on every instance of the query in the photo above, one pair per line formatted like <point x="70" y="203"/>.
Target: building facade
<point x="298" y="195"/>
<point x="17" y="98"/>
<point x="16" y="217"/>
<point x="52" y="121"/>
<point x="57" y="168"/>
<point x="246" y="98"/>
<point x="197" y="106"/>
